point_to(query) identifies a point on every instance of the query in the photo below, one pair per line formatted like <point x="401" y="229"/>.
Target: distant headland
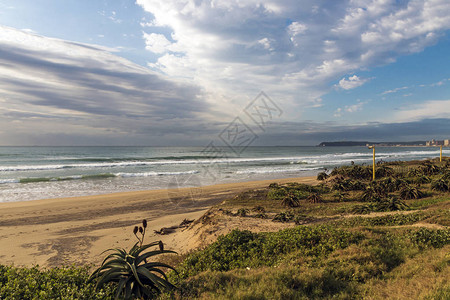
<point x="366" y="143"/>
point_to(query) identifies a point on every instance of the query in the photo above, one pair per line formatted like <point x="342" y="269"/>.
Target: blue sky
<point x="161" y="72"/>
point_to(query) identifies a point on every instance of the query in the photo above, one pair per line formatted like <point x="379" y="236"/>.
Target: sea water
<point x="30" y="173"/>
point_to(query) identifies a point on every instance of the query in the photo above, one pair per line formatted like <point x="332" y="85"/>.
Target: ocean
<point x="31" y="173"/>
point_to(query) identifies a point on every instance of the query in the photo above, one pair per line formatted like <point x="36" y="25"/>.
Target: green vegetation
<point x="55" y="283"/>
<point x="396" y="247"/>
<point x="382" y="256"/>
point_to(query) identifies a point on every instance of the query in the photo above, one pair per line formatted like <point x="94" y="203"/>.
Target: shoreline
<point x="75" y="230"/>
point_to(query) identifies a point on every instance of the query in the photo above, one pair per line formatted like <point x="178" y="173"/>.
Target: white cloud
<point x="157" y="43"/>
<point x="428" y="110"/>
<point x="224" y="43"/>
<point x="395" y="90"/>
<point x="349" y="109"/>
<point x="52" y="87"/>
<point x="355" y="107"/>
<point x="351" y="83"/>
<point x="338" y="113"/>
<point x="265" y="42"/>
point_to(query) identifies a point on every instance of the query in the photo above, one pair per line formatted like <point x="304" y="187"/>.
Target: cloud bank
<point x="294" y="51"/>
<point x="52" y="88"/>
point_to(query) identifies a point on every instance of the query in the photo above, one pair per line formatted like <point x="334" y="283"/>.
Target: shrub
<point x="322" y="176"/>
<point x="425" y="237"/>
<point x="242" y="212"/>
<point x="388" y="220"/>
<point x="260" y="216"/>
<point x="389" y="250"/>
<point x="277" y="193"/>
<point x="259" y="209"/>
<point x="55" y="283"/>
<point x="283" y="217"/>
<point x="241" y="249"/>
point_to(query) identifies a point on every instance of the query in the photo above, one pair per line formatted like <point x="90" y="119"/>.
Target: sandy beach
<point x="56" y="232"/>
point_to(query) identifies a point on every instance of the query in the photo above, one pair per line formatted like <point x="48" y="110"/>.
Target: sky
<point x="179" y="72"/>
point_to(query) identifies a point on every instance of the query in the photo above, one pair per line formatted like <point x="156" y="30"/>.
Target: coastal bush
<point x="389" y="249"/>
<point x="259" y="209"/>
<point x="242" y="212"/>
<point x="388" y="220"/>
<point x="46" y="284"/>
<point x="131" y="272"/>
<point x="283" y="217"/>
<point x="277" y="193"/>
<point x="425" y="237"/>
<point x="242" y="249"/>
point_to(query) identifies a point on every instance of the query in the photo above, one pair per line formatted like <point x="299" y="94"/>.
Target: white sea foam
<point x="272" y="170"/>
<point x="3" y="181"/>
<point x="147" y="174"/>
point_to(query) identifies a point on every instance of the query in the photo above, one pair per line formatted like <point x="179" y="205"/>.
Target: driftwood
<point x="171" y="229"/>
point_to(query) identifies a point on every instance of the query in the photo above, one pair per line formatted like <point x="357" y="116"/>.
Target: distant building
<point x="434" y="142"/>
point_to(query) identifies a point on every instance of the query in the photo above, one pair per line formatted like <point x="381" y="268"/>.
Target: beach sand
<point x="57" y="232"/>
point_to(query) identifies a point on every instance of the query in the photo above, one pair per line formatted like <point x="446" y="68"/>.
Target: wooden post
<point x="373" y="164"/>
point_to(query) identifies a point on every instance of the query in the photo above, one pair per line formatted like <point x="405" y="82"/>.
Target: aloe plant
<point x="392" y="204"/>
<point x="290" y="200"/>
<point x="410" y="192"/>
<point x="440" y="185"/>
<point x="314" y="198"/>
<point x="134" y="274"/>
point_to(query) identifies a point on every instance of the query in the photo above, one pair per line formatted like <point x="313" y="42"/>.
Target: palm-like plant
<point x="422" y="179"/>
<point x="383" y="171"/>
<point x="392" y="204"/>
<point x="429" y="168"/>
<point x="134" y="274"/>
<point x="322" y="176"/>
<point x="440" y="185"/>
<point x="290" y="200"/>
<point x="370" y="194"/>
<point x="314" y="198"/>
<point x="363" y="209"/>
<point x="410" y="192"/>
